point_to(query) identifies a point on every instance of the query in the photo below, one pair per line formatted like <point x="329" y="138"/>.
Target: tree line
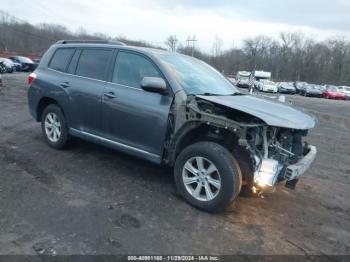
<point x="290" y="57"/>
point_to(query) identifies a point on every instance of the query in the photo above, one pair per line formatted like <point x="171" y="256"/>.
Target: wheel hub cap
<point x="201" y="178"/>
<point x="52" y="127"/>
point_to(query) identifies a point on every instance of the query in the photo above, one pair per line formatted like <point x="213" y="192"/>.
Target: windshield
<point x="25" y="59"/>
<point x="267" y="82"/>
<point x="344" y="88"/>
<point x="197" y="77"/>
<point x="333" y="88"/>
<point x="6" y="60"/>
<point x="301" y="84"/>
<point x="243" y="77"/>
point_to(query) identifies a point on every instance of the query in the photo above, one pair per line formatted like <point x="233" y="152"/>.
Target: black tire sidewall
<point x="230" y="174"/>
<point x="64" y="130"/>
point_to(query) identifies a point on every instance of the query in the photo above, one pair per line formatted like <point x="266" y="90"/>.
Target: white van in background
<point x="242" y="79"/>
<point x="260" y="75"/>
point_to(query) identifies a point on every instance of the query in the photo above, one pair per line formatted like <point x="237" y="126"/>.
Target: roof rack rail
<point x="90" y="42"/>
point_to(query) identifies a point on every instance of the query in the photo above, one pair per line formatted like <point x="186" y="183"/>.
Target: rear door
<point x="132" y="116"/>
<point x="89" y="67"/>
<point x="52" y="80"/>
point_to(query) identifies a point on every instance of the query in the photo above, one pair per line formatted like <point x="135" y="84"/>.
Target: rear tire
<point x="54" y="127"/>
<point x="195" y="186"/>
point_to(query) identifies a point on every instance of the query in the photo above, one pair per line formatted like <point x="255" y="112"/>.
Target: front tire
<point x="54" y="127"/>
<point x="207" y="176"/>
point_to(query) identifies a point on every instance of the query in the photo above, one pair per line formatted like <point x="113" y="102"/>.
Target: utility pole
<point x="192" y="40"/>
<point x="173" y="42"/>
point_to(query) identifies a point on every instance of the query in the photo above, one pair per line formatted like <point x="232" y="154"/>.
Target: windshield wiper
<point x="209" y="94"/>
<point x="212" y="94"/>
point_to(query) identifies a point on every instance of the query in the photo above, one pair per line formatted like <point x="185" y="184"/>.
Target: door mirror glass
<point x="153" y="84"/>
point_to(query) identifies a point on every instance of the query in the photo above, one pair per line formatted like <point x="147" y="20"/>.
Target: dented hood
<point x="271" y="112"/>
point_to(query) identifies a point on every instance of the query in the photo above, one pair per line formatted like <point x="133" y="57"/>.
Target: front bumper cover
<point x="296" y="170"/>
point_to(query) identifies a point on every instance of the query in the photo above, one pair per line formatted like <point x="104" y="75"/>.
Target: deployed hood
<point x="272" y="113"/>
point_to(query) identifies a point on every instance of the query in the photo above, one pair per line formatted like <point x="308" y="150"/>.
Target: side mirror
<point x="153" y="84"/>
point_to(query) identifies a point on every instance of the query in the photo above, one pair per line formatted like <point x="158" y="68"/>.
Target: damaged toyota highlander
<point x="173" y="110"/>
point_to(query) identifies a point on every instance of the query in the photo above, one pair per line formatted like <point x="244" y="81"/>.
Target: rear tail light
<point x="31" y="78"/>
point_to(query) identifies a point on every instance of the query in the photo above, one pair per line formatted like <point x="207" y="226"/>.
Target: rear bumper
<point x="314" y="94"/>
<point x="296" y="170"/>
<point x="243" y="85"/>
<point x="287" y="91"/>
<point x="33" y="101"/>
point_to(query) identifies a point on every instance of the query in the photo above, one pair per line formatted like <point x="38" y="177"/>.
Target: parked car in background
<point x="332" y="92"/>
<point x="345" y="90"/>
<point x="242" y="79"/>
<point x="27" y="64"/>
<point x="311" y="90"/>
<point x="286" y="88"/>
<point x="299" y="86"/>
<point x="18" y="66"/>
<point x="10" y="67"/>
<point x="232" y="80"/>
<point x="3" y="68"/>
<point x="267" y="86"/>
<point x="36" y="62"/>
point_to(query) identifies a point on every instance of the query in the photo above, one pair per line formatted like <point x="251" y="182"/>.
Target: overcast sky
<point x="154" y="20"/>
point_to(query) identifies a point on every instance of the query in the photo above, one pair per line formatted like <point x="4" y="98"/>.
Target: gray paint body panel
<point x="135" y="121"/>
<point x="271" y="112"/>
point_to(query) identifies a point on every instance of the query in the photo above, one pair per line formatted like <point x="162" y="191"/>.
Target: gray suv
<point x="172" y="110"/>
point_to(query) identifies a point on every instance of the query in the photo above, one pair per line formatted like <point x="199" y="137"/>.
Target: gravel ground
<point x="91" y="200"/>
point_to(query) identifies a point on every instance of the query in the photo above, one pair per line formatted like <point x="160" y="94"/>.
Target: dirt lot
<point x="91" y="200"/>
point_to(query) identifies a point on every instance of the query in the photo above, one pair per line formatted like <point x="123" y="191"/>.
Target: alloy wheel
<point x="201" y="178"/>
<point x="52" y="127"/>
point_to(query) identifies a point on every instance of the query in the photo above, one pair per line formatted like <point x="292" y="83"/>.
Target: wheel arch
<point x="43" y="103"/>
<point x="194" y="132"/>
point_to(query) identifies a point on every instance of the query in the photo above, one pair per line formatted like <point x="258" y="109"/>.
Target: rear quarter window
<point x="61" y="59"/>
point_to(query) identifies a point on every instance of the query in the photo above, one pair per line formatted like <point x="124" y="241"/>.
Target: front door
<point x="131" y="116"/>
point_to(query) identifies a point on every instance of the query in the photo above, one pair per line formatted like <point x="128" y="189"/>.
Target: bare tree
<point x="171" y="43"/>
<point x="291" y="56"/>
<point x="217" y="46"/>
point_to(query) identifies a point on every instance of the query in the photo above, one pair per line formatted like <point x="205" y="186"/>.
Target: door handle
<point x="110" y="95"/>
<point x="64" y="84"/>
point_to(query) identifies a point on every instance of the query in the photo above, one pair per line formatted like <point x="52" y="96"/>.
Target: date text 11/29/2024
<point x="174" y="258"/>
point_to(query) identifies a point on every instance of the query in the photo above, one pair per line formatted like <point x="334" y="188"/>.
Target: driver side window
<point x="131" y="68"/>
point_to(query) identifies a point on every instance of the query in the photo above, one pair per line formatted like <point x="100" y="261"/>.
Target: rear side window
<point x="131" y="68"/>
<point x="61" y="59"/>
<point x="93" y="63"/>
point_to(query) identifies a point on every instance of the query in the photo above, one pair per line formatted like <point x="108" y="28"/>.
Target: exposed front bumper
<point x="271" y="172"/>
<point x="296" y="170"/>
